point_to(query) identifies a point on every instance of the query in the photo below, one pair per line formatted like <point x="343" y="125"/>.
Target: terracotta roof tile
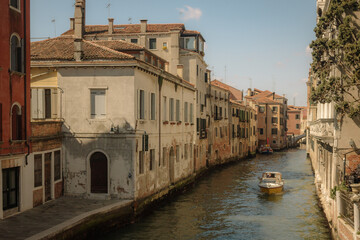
<point x="62" y="49"/>
<point x="118" y="45"/>
<point x="129" y="28"/>
<point x="235" y="94"/>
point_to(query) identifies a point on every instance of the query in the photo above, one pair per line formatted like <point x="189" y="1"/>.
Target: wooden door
<point x="10" y="188"/>
<point x="47" y="176"/>
<point x="99" y="173"/>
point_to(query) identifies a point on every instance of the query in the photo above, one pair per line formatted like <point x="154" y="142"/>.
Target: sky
<point x="259" y="44"/>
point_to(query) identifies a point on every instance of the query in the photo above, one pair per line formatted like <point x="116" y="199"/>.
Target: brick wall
<point x="45" y="128"/>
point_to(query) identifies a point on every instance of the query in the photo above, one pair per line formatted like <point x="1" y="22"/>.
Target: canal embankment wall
<point x="340" y="229"/>
<point x="105" y="219"/>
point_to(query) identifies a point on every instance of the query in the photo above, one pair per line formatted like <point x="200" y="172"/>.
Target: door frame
<point x="17" y="183"/>
<point x="88" y="174"/>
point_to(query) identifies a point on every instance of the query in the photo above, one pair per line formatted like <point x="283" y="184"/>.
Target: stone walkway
<point x="53" y="216"/>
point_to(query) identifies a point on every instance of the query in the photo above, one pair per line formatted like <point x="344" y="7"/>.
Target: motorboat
<point x="271" y="182"/>
<point x="266" y="149"/>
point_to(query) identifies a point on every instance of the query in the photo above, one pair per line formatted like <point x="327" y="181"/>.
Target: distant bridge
<point x="293" y="140"/>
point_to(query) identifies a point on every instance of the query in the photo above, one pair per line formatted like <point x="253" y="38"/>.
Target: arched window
<point x="15" y="4"/>
<point x="16" y="54"/>
<point x="16" y="123"/>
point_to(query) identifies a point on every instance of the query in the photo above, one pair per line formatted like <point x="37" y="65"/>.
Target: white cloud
<point x="308" y="51"/>
<point x="189" y="13"/>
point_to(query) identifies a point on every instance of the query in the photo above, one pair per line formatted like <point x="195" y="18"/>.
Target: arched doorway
<point x="99" y="173"/>
<point x="172" y="165"/>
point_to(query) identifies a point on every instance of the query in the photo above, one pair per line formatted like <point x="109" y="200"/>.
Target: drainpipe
<point x="25" y="85"/>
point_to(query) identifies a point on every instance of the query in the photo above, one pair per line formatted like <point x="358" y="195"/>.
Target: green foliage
<point x="341" y="187"/>
<point x="337" y="47"/>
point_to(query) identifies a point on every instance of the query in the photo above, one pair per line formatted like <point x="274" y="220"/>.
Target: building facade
<point x="15" y="148"/>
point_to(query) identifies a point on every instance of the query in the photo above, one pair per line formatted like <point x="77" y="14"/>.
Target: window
<point x="141" y="162"/>
<point x="197" y="73"/>
<point x="152" y="100"/>
<point x="178" y="110"/>
<point x="57" y="165"/>
<point x="98" y="103"/>
<point x="253" y="130"/>
<point x="16" y="123"/>
<point x="191" y="113"/>
<point x="141" y="104"/>
<point x="171" y="109"/>
<point x="44" y="103"/>
<point x="16" y="54"/>
<point x="134" y="40"/>
<point x="152" y="43"/>
<point x="190" y="43"/>
<point x="274" y="109"/>
<point x="297" y="126"/>
<point x="261" y="109"/>
<point x="185" y="112"/>
<point x="216" y="132"/>
<point x="164" y="156"/>
<point x="164" y="109"/>
<point x="261" y="131"/>
<point x="15" y="4"/>
<point x="274" y="131"/>
<point x="37" y="170"/>
<point x="186" y="151"/>
<point x="274" y="120"/>
<point x="152" y="159"/>
<point x="191" y="150"/>
<point x="297" y="116"/>
<point x="274" y="141"/>
<point x="164" y="45"/>
<point x="177" y="153"/>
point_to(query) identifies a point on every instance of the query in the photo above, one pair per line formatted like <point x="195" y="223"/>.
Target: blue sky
<point x="262" y="43"/>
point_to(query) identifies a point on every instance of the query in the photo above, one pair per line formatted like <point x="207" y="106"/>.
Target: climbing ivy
<point x="337" y="48"/>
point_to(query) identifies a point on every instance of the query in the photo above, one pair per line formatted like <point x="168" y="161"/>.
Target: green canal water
<point x="227" y="204"/>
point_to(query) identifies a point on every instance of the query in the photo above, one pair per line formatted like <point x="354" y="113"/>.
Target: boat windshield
<point x="269" y="180"/>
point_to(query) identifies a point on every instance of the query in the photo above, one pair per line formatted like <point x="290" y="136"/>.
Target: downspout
<point x="160" y="82"/>
<point x="25" y="85"/>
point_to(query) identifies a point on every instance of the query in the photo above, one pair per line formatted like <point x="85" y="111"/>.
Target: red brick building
<point x="14" y="103"/>
<point x="294" y="115"/>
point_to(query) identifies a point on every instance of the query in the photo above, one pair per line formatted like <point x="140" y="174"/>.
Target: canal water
<point x="227" y="204"/>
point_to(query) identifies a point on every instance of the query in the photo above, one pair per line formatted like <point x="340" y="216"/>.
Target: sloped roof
<point x="129" y="28"/>
<point x="118" y="45"/>
<point x="62" y="49"/>
<point x="235" y="94"/>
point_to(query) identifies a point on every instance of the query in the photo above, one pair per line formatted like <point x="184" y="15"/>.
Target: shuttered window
<point x="165" y="109"/>
<point x="98" y="103"/>
<point x="177" y="110"/>
<point x="171" y="109"/>
<point x="191" y="113"/>
<point x="186" y="112"/>
<point x="153" y="106"/>
<point x="44" y="103"/>
<point x="152" y="159"/>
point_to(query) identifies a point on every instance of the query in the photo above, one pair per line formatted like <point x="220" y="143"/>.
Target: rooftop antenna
<point x="108" y="6"/>
<point x="53" y="21"/>
<point x="274" y="85"/>
<point x="130" y="19"/>
<point x="225" y="75"/>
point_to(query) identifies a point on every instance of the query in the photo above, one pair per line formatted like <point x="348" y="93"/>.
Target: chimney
<point x="79" y="16"/>
<point x="273" y="95"/>
<point x="78" y="50"/>
<point x="249" y="92"/>
<point x="180" y="70"/>
<point x="72" y="23"/>
<point x="143" y="25"/>
<point x="111" y="26"/>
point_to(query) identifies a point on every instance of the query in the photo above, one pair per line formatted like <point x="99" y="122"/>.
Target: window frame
<point x="38" y="170"/>
<point x="16" y="66"/>
<point x="18" y="9"/>
<point x="94" y="115"/>
<point x="152" y="41"/>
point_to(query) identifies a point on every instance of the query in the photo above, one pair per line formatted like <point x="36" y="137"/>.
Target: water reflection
<point x="228" y="205"/>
